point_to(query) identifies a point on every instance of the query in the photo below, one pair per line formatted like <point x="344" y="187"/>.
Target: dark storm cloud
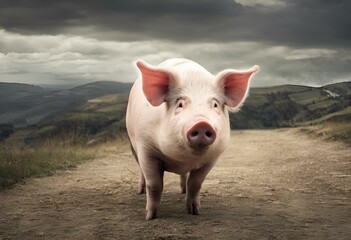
<point x="310" y="23"/>
<point x="71" y="41"/>
<point x="313" y="23"/>
<point x="36" y="15"/>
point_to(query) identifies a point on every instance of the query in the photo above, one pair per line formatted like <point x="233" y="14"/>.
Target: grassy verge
<point x="62" y="142"/>
<point x="17" y="163"/>
<point x="330" y="130"/>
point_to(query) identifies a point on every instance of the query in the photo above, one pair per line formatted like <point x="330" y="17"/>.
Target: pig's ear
<point x="235" y="85"/>
<point x="155" y="82"/>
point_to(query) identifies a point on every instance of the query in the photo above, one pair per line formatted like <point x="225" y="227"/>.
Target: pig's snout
<point x="201" y="134"/>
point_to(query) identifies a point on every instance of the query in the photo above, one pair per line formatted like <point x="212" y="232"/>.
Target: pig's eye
<point x="180" y="104"/>
<point x="215" y="104"/>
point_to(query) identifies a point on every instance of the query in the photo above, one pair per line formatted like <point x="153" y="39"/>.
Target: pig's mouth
<point x="199" y="149"/>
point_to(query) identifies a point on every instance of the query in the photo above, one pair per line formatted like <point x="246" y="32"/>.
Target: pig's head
<point x="195" y="119"/>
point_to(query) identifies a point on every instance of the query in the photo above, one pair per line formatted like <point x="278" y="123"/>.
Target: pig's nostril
<point x="195" y="133"/>
<point x="208" y="134"/>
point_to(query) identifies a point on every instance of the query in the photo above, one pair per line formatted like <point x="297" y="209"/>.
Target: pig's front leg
<point x="194" y="182"/>
<point x="153" y="173"/>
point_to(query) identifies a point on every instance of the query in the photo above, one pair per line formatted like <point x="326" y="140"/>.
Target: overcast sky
<point x="74" y="42"/>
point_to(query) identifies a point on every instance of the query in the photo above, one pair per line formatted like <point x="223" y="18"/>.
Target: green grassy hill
<point x="22" y="104"/>
<point x="103" y="118"/>
<point x="290" y="105"/>
<point x="98" y="120"/>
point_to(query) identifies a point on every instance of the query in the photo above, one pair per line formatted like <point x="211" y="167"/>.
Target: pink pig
<point x="177" y="121"/>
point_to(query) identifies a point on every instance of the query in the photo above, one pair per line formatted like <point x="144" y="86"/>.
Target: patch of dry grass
<point x="331" y="130"/>
<point x="17" y="163"/>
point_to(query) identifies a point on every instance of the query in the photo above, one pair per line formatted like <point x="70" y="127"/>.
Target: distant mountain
<point x="23" y="104"/>
<point x="102" y="86"/>
<point x="18" y="88"/>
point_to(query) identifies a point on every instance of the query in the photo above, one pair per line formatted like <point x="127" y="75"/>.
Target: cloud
<point x="298" y="23"/>
<point x="74" y="60"/>
<point x="311" y="53"/>
<point x="270" y="3"/>
<point x="74" y="42"/>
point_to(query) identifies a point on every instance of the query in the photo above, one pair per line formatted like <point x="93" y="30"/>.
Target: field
<point x="291" y="105"/>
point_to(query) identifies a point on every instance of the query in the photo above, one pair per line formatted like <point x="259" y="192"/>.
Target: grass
<point x="20" y="162"/>
<point x="283" y="88"/>
<point x="322" y="104"/>
<point x="67" y="140"/>
<point x="339" y="132"/>
<point x="337" y="128"/>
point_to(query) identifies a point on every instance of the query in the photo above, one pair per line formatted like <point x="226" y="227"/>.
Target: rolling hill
<point x="291" y="105"/>
<point x="22" y="104"/>
<point x="98" y="120"/>
<point x="93" y="117"/>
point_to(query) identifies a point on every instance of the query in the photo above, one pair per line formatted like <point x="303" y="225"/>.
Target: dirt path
<point x="268" y="185"/>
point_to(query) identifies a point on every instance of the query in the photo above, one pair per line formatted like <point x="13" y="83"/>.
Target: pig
<point x="177" y="121"/>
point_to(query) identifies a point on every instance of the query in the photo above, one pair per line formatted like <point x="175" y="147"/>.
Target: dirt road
<point x="277" y="184"/>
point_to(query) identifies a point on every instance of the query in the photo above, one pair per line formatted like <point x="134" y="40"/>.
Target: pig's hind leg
<point x="183" y="178"/>
<point x="141" y="185"/>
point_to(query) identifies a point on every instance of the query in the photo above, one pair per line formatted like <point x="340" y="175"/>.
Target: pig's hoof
<point x="151" y="214"/>
<point x="193" y="209"/>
